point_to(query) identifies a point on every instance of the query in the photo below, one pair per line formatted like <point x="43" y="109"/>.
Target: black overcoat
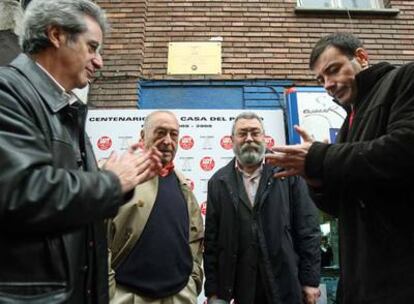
<point x="368" y="184"/>
<point x="288" y="233"/>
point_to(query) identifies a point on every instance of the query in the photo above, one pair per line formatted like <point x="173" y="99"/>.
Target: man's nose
<point x="329" y="84"/>
<point x="97" y="61"/>
<point x="167" y="139"/>
<point x="249" y="137"/>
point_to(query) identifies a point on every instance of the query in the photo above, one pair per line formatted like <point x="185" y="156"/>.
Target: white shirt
<point x="69" y="96"/>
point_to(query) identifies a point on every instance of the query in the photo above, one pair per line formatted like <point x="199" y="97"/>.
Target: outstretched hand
<point x="292" y="157"/>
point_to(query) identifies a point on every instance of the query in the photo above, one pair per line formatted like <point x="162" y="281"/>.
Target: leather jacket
<point x="53" y="199"/>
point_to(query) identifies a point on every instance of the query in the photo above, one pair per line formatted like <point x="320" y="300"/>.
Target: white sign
<point x="319" y="115"/>
<point x="204" y="141"/>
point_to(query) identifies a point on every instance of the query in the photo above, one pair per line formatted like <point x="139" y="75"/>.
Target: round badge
<point x="104" y="143"/>
<point x="207" y="163"/>
<point x="226" y="142"/>
<point x="186" y="142"/>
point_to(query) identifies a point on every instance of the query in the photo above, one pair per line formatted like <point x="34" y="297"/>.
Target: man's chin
<point x="82" y="85"/>
<point x="165" y="161"/>
<point x="86" y="83"/>
<point x="249" y="160"/>
<point x="343" y="101"/>
<point x="250" y="164"/>
<point x="343" y="98"/>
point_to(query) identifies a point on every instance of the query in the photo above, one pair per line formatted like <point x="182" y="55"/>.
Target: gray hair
<point x="246" y="115"/>
<point x="67" y="14"/>
<point x="10" y="16"/>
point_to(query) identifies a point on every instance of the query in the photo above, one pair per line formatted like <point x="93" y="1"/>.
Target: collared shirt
<point x="251" y="181"/>
<point x="69" y="96"/>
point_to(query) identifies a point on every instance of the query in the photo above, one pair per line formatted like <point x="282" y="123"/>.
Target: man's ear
<point x="361" y="57"/>
<point x="56" y="36"/>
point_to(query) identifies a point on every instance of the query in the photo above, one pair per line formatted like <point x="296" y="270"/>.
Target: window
<point x="345" y="4"/>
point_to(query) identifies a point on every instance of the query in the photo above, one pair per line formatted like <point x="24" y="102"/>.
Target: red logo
<point x="270" y="142"/>
<point x="104" y="143"/>
<point x="186" y="142"/>
<point x="207" y="163"/>
<point x="203" y="208"/>
<point x="226" y="142"/>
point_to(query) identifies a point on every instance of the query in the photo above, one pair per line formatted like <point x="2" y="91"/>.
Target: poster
<point x="204" y="143"/>
<point x="314" y="110"/>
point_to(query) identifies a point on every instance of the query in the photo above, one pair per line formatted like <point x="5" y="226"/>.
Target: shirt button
<point x="85" y="268"/>
<point x="91" y="243"/>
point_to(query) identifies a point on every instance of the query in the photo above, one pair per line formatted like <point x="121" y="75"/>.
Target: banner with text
<point x="204" y="143"/>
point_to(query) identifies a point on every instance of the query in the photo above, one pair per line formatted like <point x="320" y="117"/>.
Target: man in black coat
<point x="365" y="179"/>
<point x="53" y="199"/>
<point x="262" y="234"/>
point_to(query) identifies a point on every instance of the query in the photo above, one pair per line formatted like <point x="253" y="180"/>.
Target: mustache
<point x="166" y="150"/>
<point x="248" y="146"/>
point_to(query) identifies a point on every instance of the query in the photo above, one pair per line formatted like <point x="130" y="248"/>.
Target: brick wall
<point x="262" y="39"/>
<point x="116" y="84"/>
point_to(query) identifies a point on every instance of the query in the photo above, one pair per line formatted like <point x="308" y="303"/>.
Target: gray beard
<point x="247" y="156"/>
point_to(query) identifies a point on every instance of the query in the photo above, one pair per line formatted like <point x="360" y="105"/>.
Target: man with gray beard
<point x="262" y="234"/>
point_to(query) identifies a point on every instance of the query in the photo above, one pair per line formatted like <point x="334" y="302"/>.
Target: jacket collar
<point x="228" y="174"/>
<point x="229" y="177"/>
<point x="185" y="183"/>
<point x="366" y="79"/>
<point x="42" y="83"/>
<point x="228" y="170"/>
